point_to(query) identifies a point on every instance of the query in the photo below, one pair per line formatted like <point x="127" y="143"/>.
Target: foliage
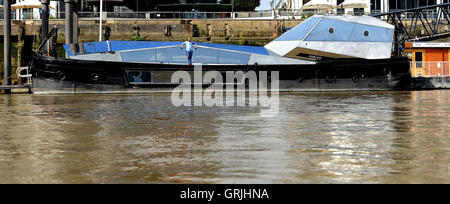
<point x="149" y="5"/>
<point x="138" y="38"/>
<point x="243" y="5"/>
<point x="146" y="5"/>
<point x="195" y="31"/>
<point x="418" y="31"/>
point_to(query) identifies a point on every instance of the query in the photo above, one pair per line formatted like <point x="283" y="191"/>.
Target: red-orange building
<point x="428" y="59"/>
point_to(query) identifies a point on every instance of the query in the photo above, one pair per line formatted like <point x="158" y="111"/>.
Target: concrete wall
<point x="257" y="31"/>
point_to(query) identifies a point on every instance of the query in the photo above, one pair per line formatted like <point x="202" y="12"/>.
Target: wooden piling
<point x="7" y="45"/>
<point x="75" y="9"/>
<point x="69" y="22"/>
<point x="45" y="26"/>
<point x="20" y="45"/>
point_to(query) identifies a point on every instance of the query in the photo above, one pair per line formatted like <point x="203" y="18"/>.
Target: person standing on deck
<point x="189" y="49"/>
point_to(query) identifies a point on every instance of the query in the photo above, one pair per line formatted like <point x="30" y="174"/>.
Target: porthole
<point x="366" y="33"/>
<point x="331" y="30"/>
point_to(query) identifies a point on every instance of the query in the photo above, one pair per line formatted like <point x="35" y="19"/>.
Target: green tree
<point x="246" y="5"/>
<point x="149" y="5"/>
<point x="243" y="5"/>
<point x="146" y="5"/>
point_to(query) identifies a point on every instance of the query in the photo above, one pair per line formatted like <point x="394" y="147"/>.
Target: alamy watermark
<point x="237" y="84"/>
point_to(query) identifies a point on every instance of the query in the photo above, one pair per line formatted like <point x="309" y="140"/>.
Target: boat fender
<point x="387" y="71"/>
<point x="355" y="79"/>
<point x="60" y="76"/>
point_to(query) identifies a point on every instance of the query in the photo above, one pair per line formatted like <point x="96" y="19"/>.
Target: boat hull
<point x="57" y="75"/>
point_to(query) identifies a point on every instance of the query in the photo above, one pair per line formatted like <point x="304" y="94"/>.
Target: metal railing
<point x="430" y="69"/>
<point x="430" y="14"/>
<point x="282" y="14"/>
<point x="175" y="15"/>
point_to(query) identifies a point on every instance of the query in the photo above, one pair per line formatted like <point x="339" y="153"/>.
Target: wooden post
<point x="69" y="22"/>
<point x="20" y="45"/>
<point x="7" y="46"/>
<point x="75" y="9"/>
<point x="45" y="17"/>
<point x="101" y="22"/>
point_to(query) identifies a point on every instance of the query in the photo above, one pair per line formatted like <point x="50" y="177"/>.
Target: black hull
<point x="57" y="75"/>
<point x="430" y="83"/>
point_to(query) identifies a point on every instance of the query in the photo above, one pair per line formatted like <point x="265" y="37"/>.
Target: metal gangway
<point x="418" y="24"/>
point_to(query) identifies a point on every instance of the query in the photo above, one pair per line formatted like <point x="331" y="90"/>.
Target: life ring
<point x="60" y="76"/>
<point x="95" y="76"/>
<point x="355" y="79"/>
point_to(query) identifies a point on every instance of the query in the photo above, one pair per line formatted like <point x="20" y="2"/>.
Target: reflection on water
<point x="372" y="137"/>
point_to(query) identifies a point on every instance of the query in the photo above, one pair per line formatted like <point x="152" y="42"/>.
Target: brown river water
<point x="361" y="137"/>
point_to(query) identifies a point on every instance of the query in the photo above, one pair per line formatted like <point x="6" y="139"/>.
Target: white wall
<point x="54" y="4"/>
<point x="293" y="4"/>
<point x="366" y="10"/>
<point x="35" y="13"/>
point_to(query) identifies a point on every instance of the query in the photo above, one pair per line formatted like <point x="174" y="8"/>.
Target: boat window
<point x="366" y="33"/>
<point x="418" y="59"/>
<point x="170" y="55"/>
<point x="226" y="57"/>
<point x="331" y="30"/>
<point x="202" y="55"/>
<point x="206" y="56"/>
<point x="139" y="56"/>
<point x="139" y="77"/>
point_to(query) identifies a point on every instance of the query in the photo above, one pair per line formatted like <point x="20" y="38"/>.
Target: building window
<point x="393" y="5"/>
<point x="418" y="59"/>
<point x="375" y="5"/>
<point x="358" y="11"/>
